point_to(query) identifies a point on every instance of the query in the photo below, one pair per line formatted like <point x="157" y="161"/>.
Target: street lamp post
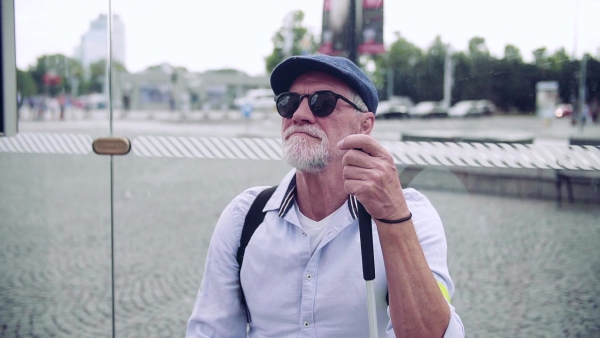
<point x="581" y="103"/>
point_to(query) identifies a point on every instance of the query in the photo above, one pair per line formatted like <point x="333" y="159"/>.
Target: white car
<point x="428" y="109"/>
<point x="468" y="108"/>
<point x="257" y="99"/>
<point x="486" y="107"/>
<point x="464" y="109"/>
<point x="396" y="107"/>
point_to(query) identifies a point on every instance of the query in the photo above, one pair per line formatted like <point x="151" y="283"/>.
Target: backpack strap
<point x="254" y="218"/>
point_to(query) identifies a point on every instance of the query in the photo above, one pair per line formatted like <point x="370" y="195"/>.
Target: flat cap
<point x="289" y="69"/>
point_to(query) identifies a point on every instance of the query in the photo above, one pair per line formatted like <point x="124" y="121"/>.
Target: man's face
<point x="309" y="142"/>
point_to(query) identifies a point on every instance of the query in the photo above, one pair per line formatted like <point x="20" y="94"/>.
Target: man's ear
<point x="367" y="122"/>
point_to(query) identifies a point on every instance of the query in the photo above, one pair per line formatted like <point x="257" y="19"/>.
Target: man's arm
<point x="218" y="311"/>
<point x="417" y="306"/>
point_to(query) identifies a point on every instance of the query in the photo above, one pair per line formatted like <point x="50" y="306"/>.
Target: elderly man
<point x="301" y="274"/>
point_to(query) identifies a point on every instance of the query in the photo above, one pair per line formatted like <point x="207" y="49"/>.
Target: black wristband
<point x="391" y="221"/>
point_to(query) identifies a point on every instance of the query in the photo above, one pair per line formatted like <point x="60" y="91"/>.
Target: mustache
<point x="311" y="130"/>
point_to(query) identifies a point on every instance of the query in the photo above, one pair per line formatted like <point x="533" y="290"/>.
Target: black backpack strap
<point x="254" y="218"/>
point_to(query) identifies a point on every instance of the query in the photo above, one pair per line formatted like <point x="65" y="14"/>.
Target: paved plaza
<point x="521" y="267"/>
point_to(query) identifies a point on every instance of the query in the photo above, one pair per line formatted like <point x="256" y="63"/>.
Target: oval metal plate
<point x="111" y="146"/>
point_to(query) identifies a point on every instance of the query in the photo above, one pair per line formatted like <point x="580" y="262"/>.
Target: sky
<point x="204" y="35"/>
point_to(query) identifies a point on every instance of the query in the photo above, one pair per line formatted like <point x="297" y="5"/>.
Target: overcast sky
<point x="203" y="35"/>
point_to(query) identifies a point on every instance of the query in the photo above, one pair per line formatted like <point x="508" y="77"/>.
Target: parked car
<point x="426" y="109"/>
<point x="395" y="107"/>
<point x="564" y="109"/>
<point x="469" y="108"/>
<point x="486" y="107"/>
<point x="256" y="99"/>
<point x="464" y="109"/>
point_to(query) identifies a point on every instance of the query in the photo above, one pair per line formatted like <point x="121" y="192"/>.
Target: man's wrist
<point x="393" y="221"/>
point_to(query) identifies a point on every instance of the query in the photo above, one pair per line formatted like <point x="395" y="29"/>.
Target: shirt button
<point x="303" y="233"/>
<point x="309" y="276"/>
<point x="306" y="324"/>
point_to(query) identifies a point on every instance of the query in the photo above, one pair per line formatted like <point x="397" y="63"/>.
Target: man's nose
<point x="303" y="114"/>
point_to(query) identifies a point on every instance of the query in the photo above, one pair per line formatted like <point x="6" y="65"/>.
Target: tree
<point x="561" y="69"/>
<point x="96" y="78"/>
<point x="430" y="72"/>
<point x="509" y="82"/>
<point x="540" y="57"/>
<point x="402" y="57"/>
<point x="302" y="41"/>
<point x="463" y="76"/>
<point x="54" y="73"/>
<point x="482" y="70"/>
<point x="512" y="53"/>
<point x="26" y="85"/>
<point x="510" y="85"/>
<point x="477" y="47"/>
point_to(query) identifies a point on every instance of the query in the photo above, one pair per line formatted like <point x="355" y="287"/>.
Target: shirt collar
<point x="289" y="198"/>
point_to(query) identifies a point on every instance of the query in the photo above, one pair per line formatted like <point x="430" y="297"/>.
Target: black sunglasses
<point x="321" y="103"/>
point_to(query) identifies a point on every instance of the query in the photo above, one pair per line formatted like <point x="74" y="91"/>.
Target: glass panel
<point x="54" y="191"/>
<point x="500" y="172"/>
<point x="164" y="223"/>
<point x="523" y="262"/>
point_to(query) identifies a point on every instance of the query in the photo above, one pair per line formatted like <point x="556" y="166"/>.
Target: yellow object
<point x="444" y="291"/>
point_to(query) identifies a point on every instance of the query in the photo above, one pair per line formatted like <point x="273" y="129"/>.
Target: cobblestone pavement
<point x="522" y="268"/>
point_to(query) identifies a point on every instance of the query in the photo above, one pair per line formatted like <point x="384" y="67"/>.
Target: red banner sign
<point x="335" y="27"/>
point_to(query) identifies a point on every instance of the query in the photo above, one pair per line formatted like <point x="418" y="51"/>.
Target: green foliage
<point x="509" y="82"/>
<point x="402" y="59"/>
<point x="57" y="65"/>
<point x="512" y="53"/>
<point x="95" y="78"/>
<point x="68" y="74"/>
<point x="26" y="85"/>
<point x="477" y="47"/>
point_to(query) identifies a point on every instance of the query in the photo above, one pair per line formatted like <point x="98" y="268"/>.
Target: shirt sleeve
<point x="218" y="311"/>
<point x="430" y="231"/>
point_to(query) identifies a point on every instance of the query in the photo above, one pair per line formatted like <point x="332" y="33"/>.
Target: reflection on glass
<point x="54" y="195"/>
<point x="522" y="265"/>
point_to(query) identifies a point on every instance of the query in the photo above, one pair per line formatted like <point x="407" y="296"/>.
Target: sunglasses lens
<point x="287" y="104"/>
<point x="322" y="104"/>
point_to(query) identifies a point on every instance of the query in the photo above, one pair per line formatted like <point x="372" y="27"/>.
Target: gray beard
<point x="306" y="156"/>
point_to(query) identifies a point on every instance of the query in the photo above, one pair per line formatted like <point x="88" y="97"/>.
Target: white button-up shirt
<point x="291" y="293"/>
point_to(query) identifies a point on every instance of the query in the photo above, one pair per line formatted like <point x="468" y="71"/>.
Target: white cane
<point x="368" y="264"/>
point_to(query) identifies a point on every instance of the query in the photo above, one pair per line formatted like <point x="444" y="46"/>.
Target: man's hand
<point x="370" y="174"/>
<point x="417" y="307"/>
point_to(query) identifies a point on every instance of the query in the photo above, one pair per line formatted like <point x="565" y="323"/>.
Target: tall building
<point x="94" y="45"/>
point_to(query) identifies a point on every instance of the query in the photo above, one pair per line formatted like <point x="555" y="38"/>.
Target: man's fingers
<point x="358" y="158"/>
<point x="360" y="141"/>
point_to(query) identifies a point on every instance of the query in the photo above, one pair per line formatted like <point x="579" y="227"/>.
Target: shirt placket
<point x="307" y="318"/>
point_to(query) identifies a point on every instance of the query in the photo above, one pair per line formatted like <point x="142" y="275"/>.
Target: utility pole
<point x="288" y="35"/>
<point x="351" y="44"/>
<point x="581" y="104"/>
<point x="390" y="80"/>
<point x="448" y="80"/>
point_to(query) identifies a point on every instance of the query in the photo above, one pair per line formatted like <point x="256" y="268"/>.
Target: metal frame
<point x="8" y="70"/>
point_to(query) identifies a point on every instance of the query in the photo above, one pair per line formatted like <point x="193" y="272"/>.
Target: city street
<point x="231" y="123"/>
<point x="521" y="267"/>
